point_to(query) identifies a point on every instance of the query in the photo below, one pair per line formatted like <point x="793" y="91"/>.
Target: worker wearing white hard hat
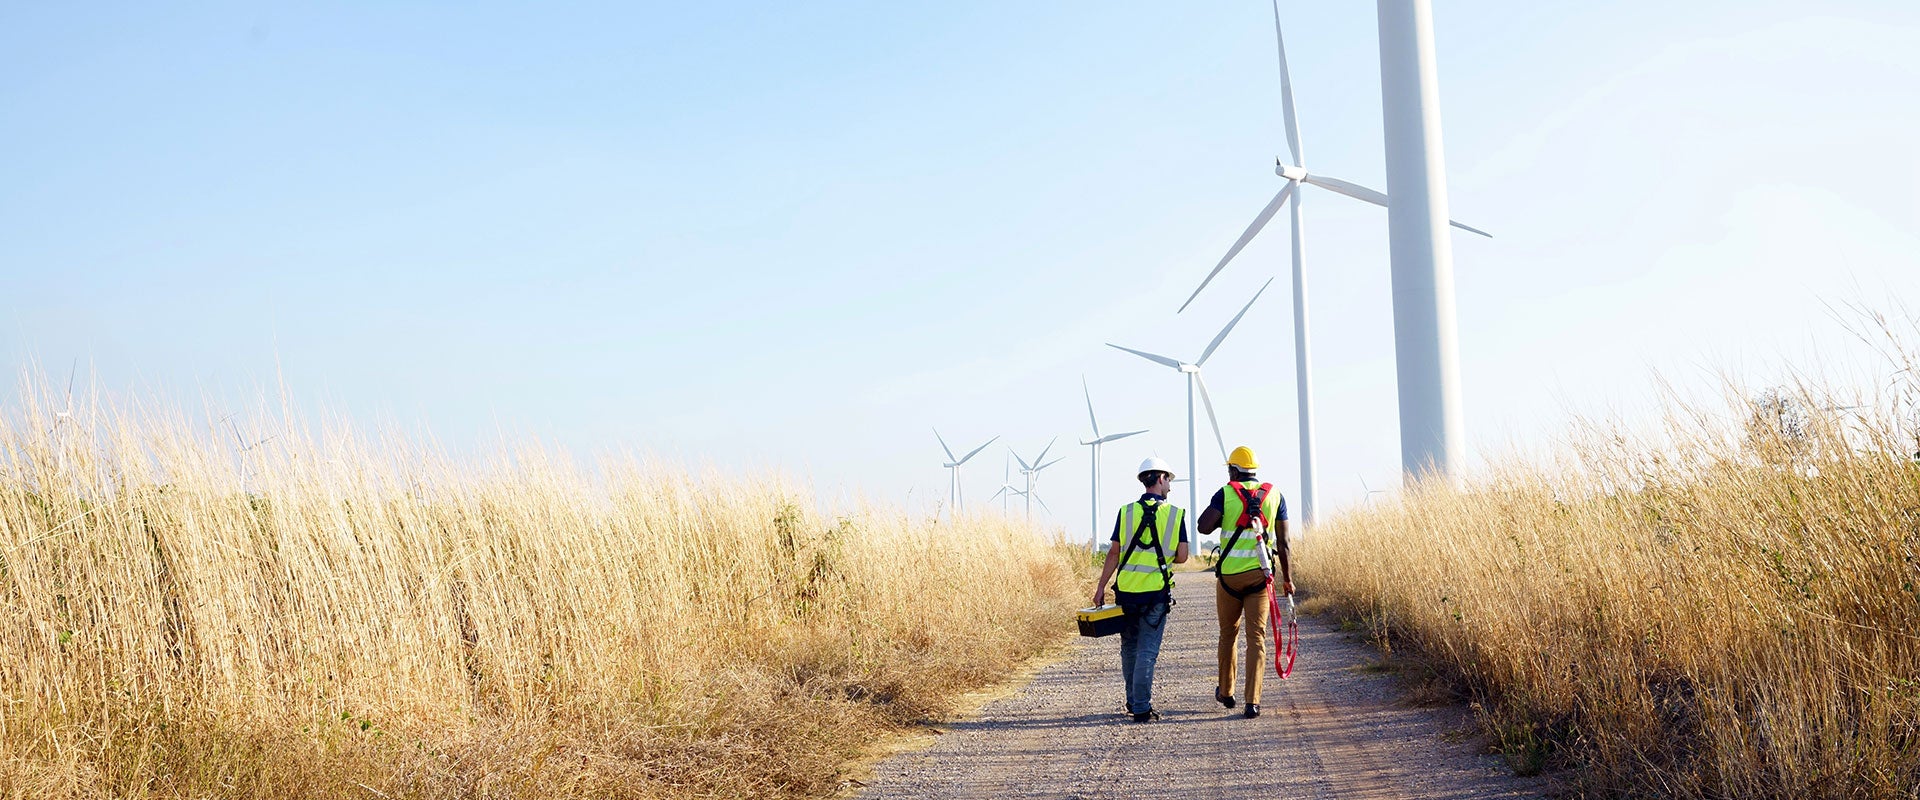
<point x="1139" y="555"/>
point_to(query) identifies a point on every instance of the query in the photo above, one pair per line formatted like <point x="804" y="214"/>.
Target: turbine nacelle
<point x="1289" y="171"/>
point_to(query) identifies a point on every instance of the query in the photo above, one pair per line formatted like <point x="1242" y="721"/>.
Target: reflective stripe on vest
<point x="1245" y="554"/>
<point x="1141" y="572"/>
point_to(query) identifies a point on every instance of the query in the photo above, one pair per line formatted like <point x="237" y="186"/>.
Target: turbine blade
<point x="1215" y="344"/>
<point x="1259" y="222"/>
<point x="1353" y="190"/>
<point x="1043" y="503"/>
<point x="1090" y="418"/>
<point x="1148" y="356"/>
<point x="976" y="451"/>
<point x="1043" y="452"/>
<point x="1049" y="464"/>
<point x="1111" y="437"/>
<point x="943" y="444"/>
<point x="1286" y="90"/>
<point x="1023" y="462"/>
<point x="1359" y="192"/>
<point x="1207" y="401"/>
<point x="1465" y="227"/>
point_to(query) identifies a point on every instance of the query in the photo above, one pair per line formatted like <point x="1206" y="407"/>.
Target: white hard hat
<point x="1155" y="464"/>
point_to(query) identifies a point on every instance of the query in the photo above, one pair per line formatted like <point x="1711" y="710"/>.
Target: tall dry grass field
<point x="1728" y="610"/>
<point x="187" y="614"/>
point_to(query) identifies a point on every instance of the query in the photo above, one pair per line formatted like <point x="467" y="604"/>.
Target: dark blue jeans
<point x="1139" y="649"/>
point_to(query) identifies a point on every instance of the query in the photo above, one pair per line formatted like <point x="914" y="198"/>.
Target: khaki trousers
<point x="1250" y="613"/>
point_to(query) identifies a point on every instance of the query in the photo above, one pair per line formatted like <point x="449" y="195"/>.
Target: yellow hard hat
<point x="1243" y="458"/>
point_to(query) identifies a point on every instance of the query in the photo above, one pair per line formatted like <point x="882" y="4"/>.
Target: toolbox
<point x="1104" y="620"/>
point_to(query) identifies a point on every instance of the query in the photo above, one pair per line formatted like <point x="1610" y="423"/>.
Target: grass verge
<point x="1728" y="610"/>
<point x="342" y="617"/>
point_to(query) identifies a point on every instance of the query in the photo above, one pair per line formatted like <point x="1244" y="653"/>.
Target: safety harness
<point x="1252" y="507"/>
<point x="1150" y="522"/>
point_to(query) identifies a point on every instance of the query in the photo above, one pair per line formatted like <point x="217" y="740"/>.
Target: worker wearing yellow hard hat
<point x="1252" y="519"/>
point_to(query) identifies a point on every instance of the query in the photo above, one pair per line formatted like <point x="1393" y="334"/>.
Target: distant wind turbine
<point x="1192" y="371"/>
<point x="1296" y="174"/>
<point x="1369" y="490"/>
<point x="953" y="464"/>
<point x="1007" y="489"/>
<point x="62" y="419"/>
<point x="1095" y="444"/>
<point x="1032" y="471"/>
<point x="66" y="415"/>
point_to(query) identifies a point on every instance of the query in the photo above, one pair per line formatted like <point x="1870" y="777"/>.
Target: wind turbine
<point x="1007" y="489"/>
<point x="953" y="489"/>
<point x="67" y="414"/>
<point x="1192" y="372"/>
<point x="62" y="419"/>
<point x="1369" y="490"/>
<point x="1296" y="174"/>
<point x="1033" y="470"/>
<point x="1095" y="444"/>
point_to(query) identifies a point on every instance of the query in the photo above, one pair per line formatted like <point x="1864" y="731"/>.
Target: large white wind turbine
<point x="1033" y="470"/>
<point x="1095" y="444"/>
<point x="1192" y="372"/>
<point x="1296" y="174"/>
<point x="953" y="489"/>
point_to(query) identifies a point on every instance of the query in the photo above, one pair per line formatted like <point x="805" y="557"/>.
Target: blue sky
<point x="796" y="236"/>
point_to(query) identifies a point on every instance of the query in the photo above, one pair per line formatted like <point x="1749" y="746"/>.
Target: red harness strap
<point x="1290" y="647"/>
<point x="1252" y="503"/>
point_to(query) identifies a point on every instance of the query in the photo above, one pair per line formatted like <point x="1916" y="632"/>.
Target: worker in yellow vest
<point x="1149" y="535"/>
<point x="1252" y="519"/>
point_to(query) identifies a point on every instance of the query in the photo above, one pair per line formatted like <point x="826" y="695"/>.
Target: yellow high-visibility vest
<point x="1141" y="571"/>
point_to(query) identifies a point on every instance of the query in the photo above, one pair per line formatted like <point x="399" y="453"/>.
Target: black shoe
<point x="1224" y="698"/>
<point x="1146" y="716"/>
<point x="1253" y="710"/>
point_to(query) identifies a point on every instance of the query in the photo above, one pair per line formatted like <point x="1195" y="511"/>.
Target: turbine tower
<point x="1192" y="371"/>
<point x="1296" y="173"/>
<point x="1033" y="470"/>
<point x="953" y="464"/>
<point x="1425" y="337"/>
<point x="1095" y="444"/>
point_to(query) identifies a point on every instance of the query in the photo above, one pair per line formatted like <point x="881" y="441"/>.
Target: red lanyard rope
<point x="1287" y="646"/>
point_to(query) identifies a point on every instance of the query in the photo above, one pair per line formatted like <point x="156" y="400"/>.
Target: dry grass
<point x="1728" y="610"/>
<point x="335" y="617"/>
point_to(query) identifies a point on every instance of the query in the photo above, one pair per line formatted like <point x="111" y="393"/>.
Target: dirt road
<point x="1333" y="730"/>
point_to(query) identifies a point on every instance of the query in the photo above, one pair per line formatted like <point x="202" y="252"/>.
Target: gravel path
<point x="1330" y="731"/>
